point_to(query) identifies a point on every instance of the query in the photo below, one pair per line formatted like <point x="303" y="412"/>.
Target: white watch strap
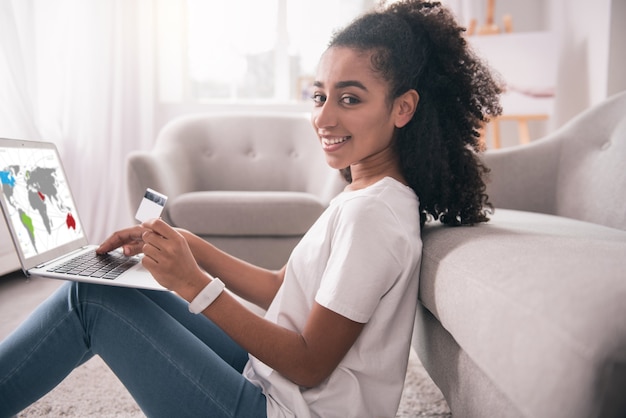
<point x="206" y="296"/>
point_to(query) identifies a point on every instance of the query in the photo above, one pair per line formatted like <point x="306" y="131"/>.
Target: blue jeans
<point x="172" y="362"/>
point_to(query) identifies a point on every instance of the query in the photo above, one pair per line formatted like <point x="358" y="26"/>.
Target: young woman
<point x="398" y="100"/>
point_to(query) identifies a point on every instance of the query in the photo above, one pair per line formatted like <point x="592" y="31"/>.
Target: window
<point x="245" y="50"/>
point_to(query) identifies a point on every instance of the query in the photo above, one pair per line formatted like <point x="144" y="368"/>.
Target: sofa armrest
<point x="524" y="177"/>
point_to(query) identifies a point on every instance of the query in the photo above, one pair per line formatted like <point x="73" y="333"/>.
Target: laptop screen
<point x="37" y="201"/>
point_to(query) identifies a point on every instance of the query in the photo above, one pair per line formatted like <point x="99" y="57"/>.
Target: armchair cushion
<point x="236" y="213"/>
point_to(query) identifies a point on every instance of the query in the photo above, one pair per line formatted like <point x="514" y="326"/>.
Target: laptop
<point x="44" y="224"/>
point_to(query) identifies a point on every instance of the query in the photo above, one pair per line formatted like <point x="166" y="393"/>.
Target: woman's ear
<point x="406" y="105"/>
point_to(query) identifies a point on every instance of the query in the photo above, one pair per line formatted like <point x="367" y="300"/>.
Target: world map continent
<point x="40" y="187"/>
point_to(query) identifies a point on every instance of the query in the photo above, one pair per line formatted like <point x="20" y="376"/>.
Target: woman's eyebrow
<point x="343" y="84"/>
<point x="350" y="83"/>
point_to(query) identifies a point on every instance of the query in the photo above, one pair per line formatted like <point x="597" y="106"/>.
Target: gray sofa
<point x="526" y="316"/>
<point x="250" y="183"/>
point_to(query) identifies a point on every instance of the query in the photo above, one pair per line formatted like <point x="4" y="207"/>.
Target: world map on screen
<point x="38" y="199"/>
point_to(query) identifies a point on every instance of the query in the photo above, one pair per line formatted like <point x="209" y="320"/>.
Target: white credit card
<point x="151" y="205"/>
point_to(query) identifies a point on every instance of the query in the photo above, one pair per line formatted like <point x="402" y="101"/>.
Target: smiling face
<point x="353" y="116"/>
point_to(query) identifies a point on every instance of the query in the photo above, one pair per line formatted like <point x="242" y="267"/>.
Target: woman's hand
<point x="168" y="257"/>
<point x="130" y="239"/>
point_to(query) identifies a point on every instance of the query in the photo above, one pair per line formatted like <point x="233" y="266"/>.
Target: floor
<point x="19" y="296"/>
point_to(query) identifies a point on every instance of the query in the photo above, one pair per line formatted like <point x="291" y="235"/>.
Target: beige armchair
<point x="250" y="183"/>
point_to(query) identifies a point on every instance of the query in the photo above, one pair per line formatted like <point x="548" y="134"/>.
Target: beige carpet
<point x="94" y="391"/>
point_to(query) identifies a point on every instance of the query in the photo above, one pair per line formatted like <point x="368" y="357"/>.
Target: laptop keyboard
<point x="106" y="266"/>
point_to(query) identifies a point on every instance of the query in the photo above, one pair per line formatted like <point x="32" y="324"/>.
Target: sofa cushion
<point x="245" y="213"/>
<point x="534" y="291"/>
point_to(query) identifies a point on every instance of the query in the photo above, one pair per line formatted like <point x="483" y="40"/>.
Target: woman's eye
<point x="349" y="100"/>
<point x="318" y="98"/>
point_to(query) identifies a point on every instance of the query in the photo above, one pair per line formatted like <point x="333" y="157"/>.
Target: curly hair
<point x="417" y="44"/>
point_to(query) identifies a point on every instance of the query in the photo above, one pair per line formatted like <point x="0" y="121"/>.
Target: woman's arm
<point x="252" y="283"/>
<point x="255" y="284"/>
<point x="306" y="358"/>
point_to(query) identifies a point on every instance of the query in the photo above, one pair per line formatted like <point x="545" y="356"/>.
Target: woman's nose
<point x="324" y="116"/>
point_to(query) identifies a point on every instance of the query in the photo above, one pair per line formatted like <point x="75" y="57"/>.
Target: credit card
<point x="151" y="205"/>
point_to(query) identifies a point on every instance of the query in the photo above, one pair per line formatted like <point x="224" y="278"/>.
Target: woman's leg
<point x="39" y="354"/>
<point x="147" y="339"/>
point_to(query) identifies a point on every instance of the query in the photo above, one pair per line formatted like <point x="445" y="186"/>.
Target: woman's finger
<point x="120" y="238"/>
<point x="160" y="227"/>
<point x="149" y="263"/>
<point x="152" y="247"/>
<point x="154" y="239"/>
<point x="133" y="248"/>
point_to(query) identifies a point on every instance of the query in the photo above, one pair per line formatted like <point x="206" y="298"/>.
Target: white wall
<point x="617" y="48"/>
<point x="592" y="43"/>
<point x="528" y="15"/>
<point x="8" y="257"/>
<point x="583" y="30"/>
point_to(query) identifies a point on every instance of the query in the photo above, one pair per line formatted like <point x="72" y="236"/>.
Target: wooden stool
<point x="522" y="128"/>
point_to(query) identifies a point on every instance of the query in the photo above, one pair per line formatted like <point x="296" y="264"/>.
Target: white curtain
<point x="80" y="73"/>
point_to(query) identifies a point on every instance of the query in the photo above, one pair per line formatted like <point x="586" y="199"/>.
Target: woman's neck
<point x="364" y="175"/>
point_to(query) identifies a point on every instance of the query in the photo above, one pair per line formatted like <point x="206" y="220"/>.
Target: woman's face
<point x="352" y="116"/>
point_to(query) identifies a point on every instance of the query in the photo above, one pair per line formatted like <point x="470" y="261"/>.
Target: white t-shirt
<point x="361" y="260"/>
